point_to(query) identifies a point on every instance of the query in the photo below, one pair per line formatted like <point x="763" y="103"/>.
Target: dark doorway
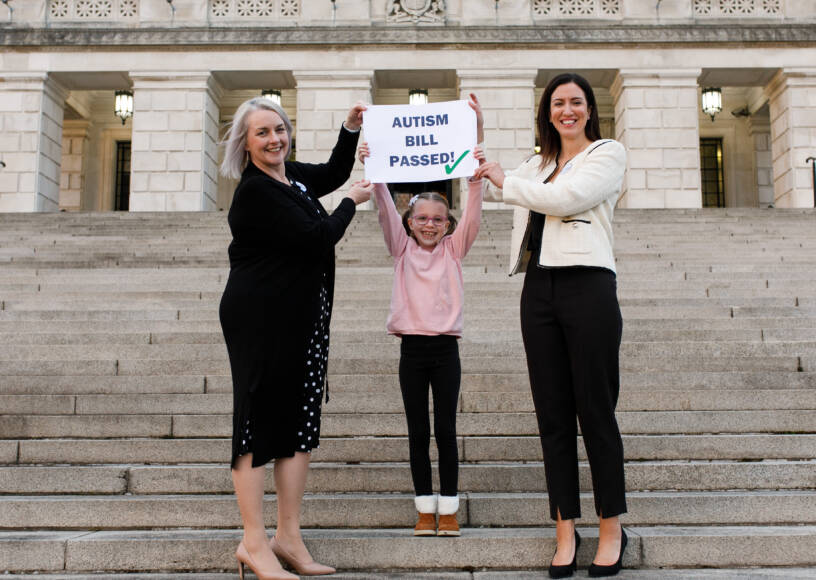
<point x="711" y="168"/>
<point x="121" y="200"/>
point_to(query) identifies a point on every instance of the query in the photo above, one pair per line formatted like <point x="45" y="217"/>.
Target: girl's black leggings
<point x="434" y="361"/>
<point x="571" y="326"/>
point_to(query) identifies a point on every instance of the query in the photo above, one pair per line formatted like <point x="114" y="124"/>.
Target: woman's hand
<point x="363" y="152"/>
<point x="492" y="171"/>
<point x="474" y="104"/>
<point x="354" y="120"/>
<point x="360" y="191"/>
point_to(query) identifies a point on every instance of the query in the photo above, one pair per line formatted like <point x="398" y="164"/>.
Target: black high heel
<point x="596" y="571"/>
<point x="566" y="570"/>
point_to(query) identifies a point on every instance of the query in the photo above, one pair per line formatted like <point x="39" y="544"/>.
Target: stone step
<point x="387" y="399"/>
<point x="215" y="336"/>
<point x="388" y="477"/>
<point x="637" y="447"/>
<point x="393" y="424"/>
<point x="340" y="351"/>
<point x="671" y="384"/>
<point x="373" y="549"/>
<point x="392" y="510"/>
<point x="788" y="573"/>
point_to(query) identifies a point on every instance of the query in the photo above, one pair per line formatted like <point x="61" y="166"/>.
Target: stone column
<point x="174" y="145"/>
<point x="323" y="101"/>
<point x="656" y="119"/>
<point x="31" y="112"/>
<point x="792" y="101"/>
<point x="760" y="131"/>
<point x="508" y="104"/>
<point x="72" y="167"/>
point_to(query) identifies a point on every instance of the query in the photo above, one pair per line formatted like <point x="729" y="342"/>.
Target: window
<point x="711" y="168"/>
<point x="121" y="200"/>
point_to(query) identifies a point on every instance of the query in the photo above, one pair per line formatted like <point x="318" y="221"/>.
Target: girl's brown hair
<point x="432" y="196"/>
<point x="549" y="138"/>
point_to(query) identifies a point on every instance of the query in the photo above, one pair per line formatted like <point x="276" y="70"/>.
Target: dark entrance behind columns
<point x="711" y="169"/>
<point x="121" y="200"/>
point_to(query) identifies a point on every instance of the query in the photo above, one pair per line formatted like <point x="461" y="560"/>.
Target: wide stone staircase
<point x="115" y="401"/>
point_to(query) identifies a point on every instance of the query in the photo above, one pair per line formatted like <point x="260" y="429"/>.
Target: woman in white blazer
<point x="570" y="318"/>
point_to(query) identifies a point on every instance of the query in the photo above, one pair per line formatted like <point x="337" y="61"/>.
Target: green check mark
<point x="449" y="168"/>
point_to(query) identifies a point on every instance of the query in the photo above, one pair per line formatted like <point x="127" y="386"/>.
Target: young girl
<point x="426" y="312"/>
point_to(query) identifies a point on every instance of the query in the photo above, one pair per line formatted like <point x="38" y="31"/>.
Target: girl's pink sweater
<point x="428" y="292"/>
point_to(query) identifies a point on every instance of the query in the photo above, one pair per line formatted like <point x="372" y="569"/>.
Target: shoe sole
<point x="424" y="533"/>
<point x="450" y="533"/>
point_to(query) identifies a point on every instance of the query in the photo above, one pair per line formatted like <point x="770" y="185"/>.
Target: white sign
<point x="420" y="143"/>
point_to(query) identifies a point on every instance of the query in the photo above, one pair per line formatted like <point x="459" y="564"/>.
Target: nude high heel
<point x="244" y="559"/>
<point x="303" y="568"/>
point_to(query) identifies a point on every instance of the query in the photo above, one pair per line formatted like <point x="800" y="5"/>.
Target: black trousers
<point x="571" y="326"/>
<point x="431" y="360"/>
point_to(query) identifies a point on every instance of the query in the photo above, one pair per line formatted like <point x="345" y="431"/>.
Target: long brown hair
<point x="432" y="196"/>
<point x="549" y="138"/>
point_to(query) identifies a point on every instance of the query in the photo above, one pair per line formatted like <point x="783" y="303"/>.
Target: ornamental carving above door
<point x="416" y="11"/>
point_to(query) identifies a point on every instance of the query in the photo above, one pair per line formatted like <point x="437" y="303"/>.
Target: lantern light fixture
<point x="418" y="97"/>
<point x="712" y="101"/>
<point x="123" y="105"/>
<point x="273" y="95"/>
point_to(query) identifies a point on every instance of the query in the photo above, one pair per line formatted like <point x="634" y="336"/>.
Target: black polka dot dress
<point x="317" y="358"/>
<point x="314" y="377"/>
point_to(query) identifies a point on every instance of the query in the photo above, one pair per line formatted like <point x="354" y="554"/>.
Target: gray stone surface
<point x="22" y="551"/>
<point x="728" y="546"/>
<point x="104" y="426"/>
<point x="24" y="480"/>
<point x="718" y="391"/>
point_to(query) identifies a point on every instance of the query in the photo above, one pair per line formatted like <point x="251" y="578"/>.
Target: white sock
<point x="425" y="504"/>
<point x="448" y="504"/>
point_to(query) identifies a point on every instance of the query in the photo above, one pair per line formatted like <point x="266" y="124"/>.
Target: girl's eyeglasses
<point x="423" y="219"/>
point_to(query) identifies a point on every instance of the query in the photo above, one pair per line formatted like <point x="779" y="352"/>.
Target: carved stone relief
<point x="737" y="8"/>
<point x="93" y="9"/>
<point x="576" y="8"/>
<point x="416" y="11"/>
<point x="268" y="9"/>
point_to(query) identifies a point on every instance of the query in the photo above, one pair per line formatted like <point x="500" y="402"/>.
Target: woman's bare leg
<point x="565" y="536"/>
<point x="249" y="490"/>
<point x="290" y="484"/>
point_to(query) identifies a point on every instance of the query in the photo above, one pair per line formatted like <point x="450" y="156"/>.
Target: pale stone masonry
<point x="31" y="115"/>
<point x="191" y="62"/>
<point x="323" y="102"/>
<point x="72" y="169"/>
<point x="792" y="100"/>
<point x="656" y="119"/>
<point x="174" y="151"/>
<point x="507" y="98"/>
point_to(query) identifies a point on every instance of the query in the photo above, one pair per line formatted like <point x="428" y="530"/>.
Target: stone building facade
<point x="190" y="63"/>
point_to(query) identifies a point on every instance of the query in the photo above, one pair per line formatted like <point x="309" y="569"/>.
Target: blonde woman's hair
<point x="432" y="196"/>
<point x="236" y="156"/>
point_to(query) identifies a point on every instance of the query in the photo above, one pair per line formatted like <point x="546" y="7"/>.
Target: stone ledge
<point x="626" y="34"/>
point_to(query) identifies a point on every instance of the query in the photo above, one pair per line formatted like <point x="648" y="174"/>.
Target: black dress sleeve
<point x="267" y="215"/>
<point x="323" y="178"/>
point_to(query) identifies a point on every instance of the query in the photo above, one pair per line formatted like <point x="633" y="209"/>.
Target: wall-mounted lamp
<point x="123" y="105"/>
<point x="712" y="101"/>
<point x="418" y="97"/>
<point x="172" y="11"/>
<point x="334" y="12"/>
<point x="273" y="95"/>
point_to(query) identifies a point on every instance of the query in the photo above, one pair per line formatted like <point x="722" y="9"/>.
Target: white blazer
<point x="578" y="206"/>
